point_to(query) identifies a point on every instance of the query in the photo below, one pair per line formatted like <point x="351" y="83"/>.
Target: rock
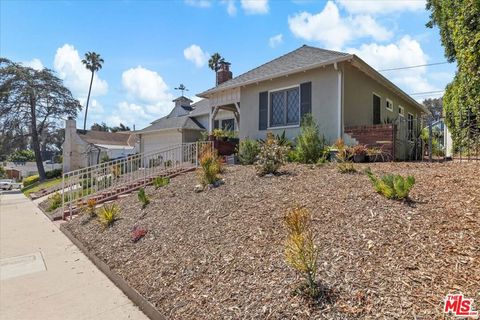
<point x="198" y="188"/>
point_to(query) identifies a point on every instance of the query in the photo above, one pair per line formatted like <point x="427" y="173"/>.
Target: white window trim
<point x="269" y="127"/>
<point x="401" y="114"/>
<point x="386" y="105"/>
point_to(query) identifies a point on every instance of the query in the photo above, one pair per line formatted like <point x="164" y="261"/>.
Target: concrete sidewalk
<point x="44" y="276"/>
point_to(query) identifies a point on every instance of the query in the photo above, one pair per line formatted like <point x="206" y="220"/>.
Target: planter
<point x="359" y="157"/>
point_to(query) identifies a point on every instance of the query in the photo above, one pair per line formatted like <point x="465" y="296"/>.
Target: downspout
<point x="339" y="100"/>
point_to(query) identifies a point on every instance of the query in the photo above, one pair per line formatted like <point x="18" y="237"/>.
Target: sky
<point x="150" y="47"/>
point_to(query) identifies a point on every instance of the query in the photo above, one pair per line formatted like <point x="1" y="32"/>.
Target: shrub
<point x="210" y="166"/>
<point x="55" y="173"/>
<point x="392" y="186"/>
<point x="248" y="151"/>
<point x="344" y="164"/>
<point x="90" y="207"/>
<point x="55" y="201"/>
<point x="30" y="180"/>
<point x="143" y="198"/>
<point x="271" y="157"/>
<point x="138" y="233"/>
<point x="300" y="250"/>
<point x="161" y="182"/>
<point x="310" y="146"/>
<point x="22" y="156"/>
<point x="108" y="214"/>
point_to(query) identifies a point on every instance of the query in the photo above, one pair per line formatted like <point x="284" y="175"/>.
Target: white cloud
<point x="405" y="52"/>
<point x="199" y="3"/>
<point x="334" y="31"/>
<point x="275" y="40"/>
<point x="196" y="55"/>
<point x="231" y="7"/>
<point x="68" y="64"/>
<point x="145" y="85"/>
<point x="35" y="63"/>
<point x="381" y="6"/>
<point x="255" y="6"/>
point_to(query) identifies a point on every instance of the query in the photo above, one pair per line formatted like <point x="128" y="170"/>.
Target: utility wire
<point x="416" y="66"/>
<point x="426" y="92"/>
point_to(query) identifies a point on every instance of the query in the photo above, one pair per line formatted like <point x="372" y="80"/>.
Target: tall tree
<point x="100" y="127"/>
<point x="435" y="107"/>
<point x="459" y="25"/>
<point x="36" y="98"/>
<point x="214" y="64"/>
<point x="92" y="62"/>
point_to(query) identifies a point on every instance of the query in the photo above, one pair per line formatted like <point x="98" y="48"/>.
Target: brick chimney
<point x="224" y="73"/>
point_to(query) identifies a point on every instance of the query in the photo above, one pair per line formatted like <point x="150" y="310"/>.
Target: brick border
<point x="148" y="309"/>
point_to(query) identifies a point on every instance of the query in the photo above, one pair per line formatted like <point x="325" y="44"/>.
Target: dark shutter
<point x="263" y="111"/>
<point x="216" y="124"/>
<point x="376" y="110"/>
<point x="305" y="98"/>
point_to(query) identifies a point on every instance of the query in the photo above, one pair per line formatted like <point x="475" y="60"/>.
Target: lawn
<point x="43" y="185"/>
<point x="220" y="254"/>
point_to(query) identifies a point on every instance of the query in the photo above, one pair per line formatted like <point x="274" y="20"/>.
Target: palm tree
<point x="92" y="62"/>
<point x="214" y="64"/>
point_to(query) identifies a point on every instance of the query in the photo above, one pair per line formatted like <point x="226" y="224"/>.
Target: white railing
<point x="118" y="176"/>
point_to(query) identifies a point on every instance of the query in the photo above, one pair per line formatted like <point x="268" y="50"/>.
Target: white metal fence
<point x="114" y="177"/>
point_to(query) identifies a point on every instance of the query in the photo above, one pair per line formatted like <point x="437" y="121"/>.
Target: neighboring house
<point x="83" y="148"/>
<point x="20" y="170"/>
<point x="185" y="123"/>
<point x="348" y="99"/>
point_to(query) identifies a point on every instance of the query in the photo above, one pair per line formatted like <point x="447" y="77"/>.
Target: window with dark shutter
<point x="263" y="110"/>
<point x="216" y="124"/>
<point x="285" y="107"/>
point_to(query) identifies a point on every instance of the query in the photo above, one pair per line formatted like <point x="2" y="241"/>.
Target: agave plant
<point x="392" y="186"/>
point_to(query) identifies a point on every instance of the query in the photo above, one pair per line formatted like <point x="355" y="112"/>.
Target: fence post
<point x="430" y="142"/>
<point x="63" y="195"/>
<point x="196" y="155"/>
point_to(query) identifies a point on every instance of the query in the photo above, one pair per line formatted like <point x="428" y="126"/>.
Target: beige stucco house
<point x="84" y="148"/>
<point x="347" y="97"/>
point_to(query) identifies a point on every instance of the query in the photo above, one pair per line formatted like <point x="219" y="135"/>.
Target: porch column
<point x="213" y="114"/>
<point x="237" y="114"/>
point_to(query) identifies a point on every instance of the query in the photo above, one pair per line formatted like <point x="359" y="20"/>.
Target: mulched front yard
<point x="219" y="254"/>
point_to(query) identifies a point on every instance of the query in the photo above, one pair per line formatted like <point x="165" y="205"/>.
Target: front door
<point x="376" y="109"/>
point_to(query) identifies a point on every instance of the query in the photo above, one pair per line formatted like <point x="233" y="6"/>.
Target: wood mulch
<point x="219" y="254"/>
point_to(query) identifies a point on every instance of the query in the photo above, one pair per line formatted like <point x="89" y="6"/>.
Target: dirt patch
<point x="219" y="254"/>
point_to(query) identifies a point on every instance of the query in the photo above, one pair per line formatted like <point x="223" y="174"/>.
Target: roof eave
<point x="206" y="94"/>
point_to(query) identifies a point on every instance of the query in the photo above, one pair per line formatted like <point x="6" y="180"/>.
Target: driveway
<point x="44" y="276"/>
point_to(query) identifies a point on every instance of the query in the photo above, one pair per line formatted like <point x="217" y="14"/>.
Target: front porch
<point x="228" y="100"/>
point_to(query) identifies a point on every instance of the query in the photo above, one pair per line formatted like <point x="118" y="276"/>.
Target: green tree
<point x="92" y="62"/>
<point x="22" y="156"/>
<point x="214" y="64"/>
<point x="121" y="127"/>
<point x="435" y="106"/>
<point x="32" y="99"/>
<point x="100" y="127"/>
<point x="459" y="25"/>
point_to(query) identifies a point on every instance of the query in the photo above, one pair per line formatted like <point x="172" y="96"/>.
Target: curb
<point x="148" y="309"/>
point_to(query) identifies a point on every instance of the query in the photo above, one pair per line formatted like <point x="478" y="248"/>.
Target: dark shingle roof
<point x="181" y="122"/>
<point x="299" y="59"/>
<point x="201" y="107"/>
<point x="101" y="137"/>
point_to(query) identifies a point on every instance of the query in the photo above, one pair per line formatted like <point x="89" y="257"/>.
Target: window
<point x="224" y="124"/>
<point x="410" y="126"/>
<point x="401" y="111"/>
<point x="389" y="105"/>
<point x="285" y="107"/>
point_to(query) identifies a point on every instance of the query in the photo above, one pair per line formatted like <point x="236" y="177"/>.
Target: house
<point x="84" y="148"/>
<point x="347" y="98"/>
<point x="185" y="123"/>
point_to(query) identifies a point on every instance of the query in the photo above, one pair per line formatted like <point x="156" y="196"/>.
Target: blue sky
<point x="150" y="47"/>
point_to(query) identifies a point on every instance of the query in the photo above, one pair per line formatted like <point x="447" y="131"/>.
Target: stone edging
<point x="144" y="305"/>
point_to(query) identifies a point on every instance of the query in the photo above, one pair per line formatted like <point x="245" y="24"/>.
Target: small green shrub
<point x="55" y="173"/>
<point x="271" y="157"/>
<point x="90" y="207"/>
<point x="143" y="198"/>
<point x="108" y="214"/>
<point x="310" y="146"/>
<point x="30" y="180"/>
<point x="161" y="182"/>
<point x="392" y="186"/>
<point x="55" y="201"/>
<point x="210" y="166"/>
<point x="248" y="151"/>
<point x="344" y="163"/>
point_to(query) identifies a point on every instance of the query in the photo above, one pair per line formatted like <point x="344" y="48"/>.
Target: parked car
<point x="9" y="184"/>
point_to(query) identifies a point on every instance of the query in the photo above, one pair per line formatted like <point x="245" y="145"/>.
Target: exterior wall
<point x="191" y="135"/>
<point x="204" y="120"/>
<point x="324" y="103"/>
<point x="160" y="139"/>
<point x="74" y="148"/>
<point x="358" y="99"/>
